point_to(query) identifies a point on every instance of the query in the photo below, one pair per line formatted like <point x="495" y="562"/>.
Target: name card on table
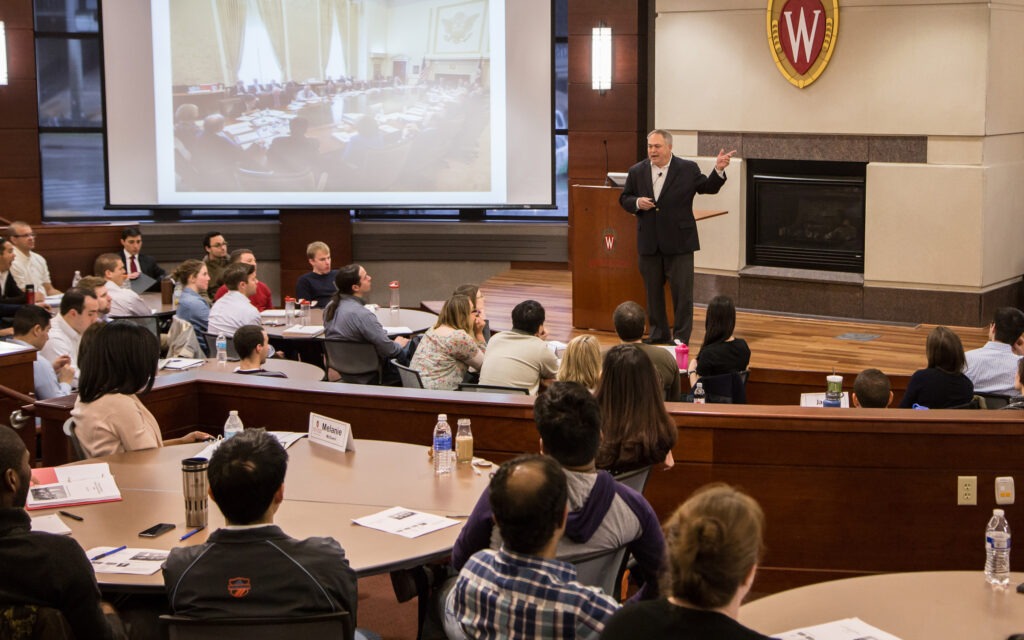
<point x="332" y="433"/>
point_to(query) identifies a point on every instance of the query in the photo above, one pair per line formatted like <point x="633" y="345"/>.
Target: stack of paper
<point x="303" y="331"/>
<point x="180" y="364"/>
<point x="79" y="484"/>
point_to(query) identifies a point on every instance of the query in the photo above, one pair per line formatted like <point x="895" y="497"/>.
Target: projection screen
<point x="350" y="103"/>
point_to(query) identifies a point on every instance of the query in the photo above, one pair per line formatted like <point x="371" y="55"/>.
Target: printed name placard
<point x="330" y="432"/>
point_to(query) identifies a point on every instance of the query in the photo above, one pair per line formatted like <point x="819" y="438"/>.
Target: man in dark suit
<point x="659" y="192"/>
<point x="12" y="297"/>
<point x="135" y="262"/>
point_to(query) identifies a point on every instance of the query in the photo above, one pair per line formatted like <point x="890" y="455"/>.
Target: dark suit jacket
<point x="148" y="266"/>
<point x="671" y="229"/>
<point x="13" y="297"/>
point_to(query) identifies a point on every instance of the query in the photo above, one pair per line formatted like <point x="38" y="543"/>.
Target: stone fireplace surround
<point x="825" y="293"/>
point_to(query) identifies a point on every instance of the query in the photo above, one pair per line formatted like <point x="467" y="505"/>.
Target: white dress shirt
<point x="231" y="312"/>
<point x="992" y="368"/>
<point x="31" y="269"/>
<point x="64" y="340"/>
<point x="125" y="302"/>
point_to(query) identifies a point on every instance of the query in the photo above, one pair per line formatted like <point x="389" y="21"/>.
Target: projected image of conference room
<point x="330" y="95"/>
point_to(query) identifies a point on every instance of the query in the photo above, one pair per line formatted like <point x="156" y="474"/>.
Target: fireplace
<point x="806" y="214"/>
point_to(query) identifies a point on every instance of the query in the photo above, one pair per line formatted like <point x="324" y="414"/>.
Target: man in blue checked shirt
<point x="521" y="590"/>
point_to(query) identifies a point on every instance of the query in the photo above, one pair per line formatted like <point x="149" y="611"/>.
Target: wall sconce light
<point x="3" y="54"/>
<point x="601" y="62"/>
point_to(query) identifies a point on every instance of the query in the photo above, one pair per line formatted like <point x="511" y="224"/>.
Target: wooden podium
<point x="602" y="253"/>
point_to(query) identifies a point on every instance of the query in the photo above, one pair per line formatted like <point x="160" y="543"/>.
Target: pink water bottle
<point x="683" y="356"/>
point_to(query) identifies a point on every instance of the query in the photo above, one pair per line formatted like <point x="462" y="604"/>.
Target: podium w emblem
<point x="802" y="37"/>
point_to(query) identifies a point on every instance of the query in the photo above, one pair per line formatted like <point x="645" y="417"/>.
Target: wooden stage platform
<point x="781" y="345"/>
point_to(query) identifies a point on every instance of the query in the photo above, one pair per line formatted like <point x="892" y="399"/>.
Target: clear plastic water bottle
<point x="997" y="549"/>
<point x="176" y="300"/>
<point x="395" y="302"/>
<point x="233" y="426"/>
<point x="222" y="348"/>
<point x="699" y="396"/>
<point x="75" y="279"/>
<point x="442" y="445"/>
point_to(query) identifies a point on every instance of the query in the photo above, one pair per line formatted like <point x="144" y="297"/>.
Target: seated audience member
<point x="29" y="267"/>
<point x="51" y="379"/>
<point x="721" y="352"/>
<point x="97" y="288"/>
<point x="943" y="384"/>
<point x="630" y="321"/>
<point x="262" y="299"/>
<point x="295" y="152"/>
<point x="136" y="262"/>
<point x="636" y="429"/>
<point x="185" y="127"/>
<point x="529" y="496"/>
<point x="347" y="318"/>
<point x="581" y="362"/>
<point x="42" y="569"/>
<point x="318" y="284"/>
<point x="871" y="390"/>
<point x="449" y="348"/>
<point x="715" y="542"/>
<point x="216" y="260"/>
<point x="476" y="296"/>
<point x="520" y="358"/>
<point x="286" y="577"/>
<point x="11" y="297"/>
<point x="123" y="302"/>
<point x="119" y="360"/>
<point x="992" y="367"/>
<point x="77" y="312"/>
<point x="1017" y="401"/>
<point x="253" y="347"/>
<point x="234" y="309"/>
<point x="603" y="514"/>
<point x="216" y="154"/>
<point x="193" y="305"/>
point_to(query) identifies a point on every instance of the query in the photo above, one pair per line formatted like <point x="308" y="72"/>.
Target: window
<point x="258" y="58"/>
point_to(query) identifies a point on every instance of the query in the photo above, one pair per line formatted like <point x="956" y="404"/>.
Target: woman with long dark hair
<point x="637" y="430"/>
<point x="118" y="361"/>
<point x="722" y="352"/>
<point x="943" y="384"/>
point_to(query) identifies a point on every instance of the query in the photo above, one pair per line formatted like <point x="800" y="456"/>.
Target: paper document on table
<point x="405" y="522"/>
<point x="272" y="313"/>
<point x="180" y="364"/>
<point x="398" y="331"/>
<point x="50" y="524"/>
<point x="139" y="562"/>
<point x="848" y="629"/>
<point x="303" y="331"/>
<point x="286" y="438"/>
<point x="79" y="484"/>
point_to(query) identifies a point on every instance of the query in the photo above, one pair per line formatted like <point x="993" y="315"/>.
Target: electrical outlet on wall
<point x="966" y="490"/>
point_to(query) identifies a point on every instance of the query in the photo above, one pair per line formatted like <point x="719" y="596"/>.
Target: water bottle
<point x="464" y="442"/>
<point x="75" y="279"/>
<point x="30" y="294"/>
<point x="395" y="307"/>
<point x="997" y="550"/>
<point x="682" y="356"/>
<point x="176" y="299"/>
<point x="699" y="397"/>
<point x="442" y="445"/>
<point x="289" y="311"/>
<point x="233" y="426"/>
<point x="222" y="349"/>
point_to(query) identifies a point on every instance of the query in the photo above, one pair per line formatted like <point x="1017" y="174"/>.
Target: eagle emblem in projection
<point x="458" y="28"/>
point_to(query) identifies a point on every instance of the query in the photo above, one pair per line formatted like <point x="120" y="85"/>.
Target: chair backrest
<point x="726" y="388"/>
<point x="492" y="388"/>
<point x="33" y="622"/>
<point x="211" y="346"/>
<point x="601" y="569"/>
<point x="993" y="400"/>
<point x="410" y="377"/>
<point x="635" y="479"/>
<point x="76" y="445"/>
<point x="152" y="323"/>
<point x="357" y="362"/>
<point x="328" y="625"/>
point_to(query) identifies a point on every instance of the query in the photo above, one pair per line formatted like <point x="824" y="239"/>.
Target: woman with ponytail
<point x="714" y="542"/>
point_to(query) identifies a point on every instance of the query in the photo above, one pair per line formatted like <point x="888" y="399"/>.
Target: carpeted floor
<point x="380" y="612"/>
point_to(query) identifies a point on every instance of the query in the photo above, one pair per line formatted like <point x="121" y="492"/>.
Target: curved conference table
<point x="294" y="369"/>
<point x="926" y="605"/>
<point x="324" y="490"/>
<point x="413" y="319"/>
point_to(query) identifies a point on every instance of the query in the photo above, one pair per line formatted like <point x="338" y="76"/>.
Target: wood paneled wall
<point x="300" y="227"/>
<point x="20" y="183"/>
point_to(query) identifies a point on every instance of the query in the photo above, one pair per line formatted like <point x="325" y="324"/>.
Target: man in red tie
<point x="134" y="262"/>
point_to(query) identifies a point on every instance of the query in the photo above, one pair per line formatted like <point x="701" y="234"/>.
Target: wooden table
<point x="294" y="369"/>
<point x="324" y="490"/>
<point x="415" y="320"/>
<point x="927" y="605"/>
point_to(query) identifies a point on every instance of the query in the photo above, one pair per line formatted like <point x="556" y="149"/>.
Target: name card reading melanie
<point x="332" y="433"/>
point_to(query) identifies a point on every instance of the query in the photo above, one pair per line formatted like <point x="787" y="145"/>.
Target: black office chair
<point x="327" y="625"/>
<point x="635" y="479"/>
<point x="726" y="388"/>
<point x="76" y="445"/>
<point x="993" y="400"/>
<point x="410" y="377"/>
<point x="211" y="346"/>
<point x="492" y="388"/>
<point x="152" y="323"/>
<point x="357" y="362"/>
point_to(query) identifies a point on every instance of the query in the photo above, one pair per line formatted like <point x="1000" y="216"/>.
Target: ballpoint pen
<point x="72" y="516"/>
<point x="108" y="553"/>
<point x="190" y="534"/>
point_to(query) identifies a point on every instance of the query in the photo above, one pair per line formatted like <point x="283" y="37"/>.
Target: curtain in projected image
<point x="258" y="59"/>
<point x="332" y="50"/>
<point x="232" y="17"/>
<point x="272" y="13"/>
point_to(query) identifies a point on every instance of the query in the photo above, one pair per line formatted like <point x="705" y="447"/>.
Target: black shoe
<point x="657" y="341"/>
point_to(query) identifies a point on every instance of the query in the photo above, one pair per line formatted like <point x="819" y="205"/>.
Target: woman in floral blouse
<point x="451" y="347"/>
